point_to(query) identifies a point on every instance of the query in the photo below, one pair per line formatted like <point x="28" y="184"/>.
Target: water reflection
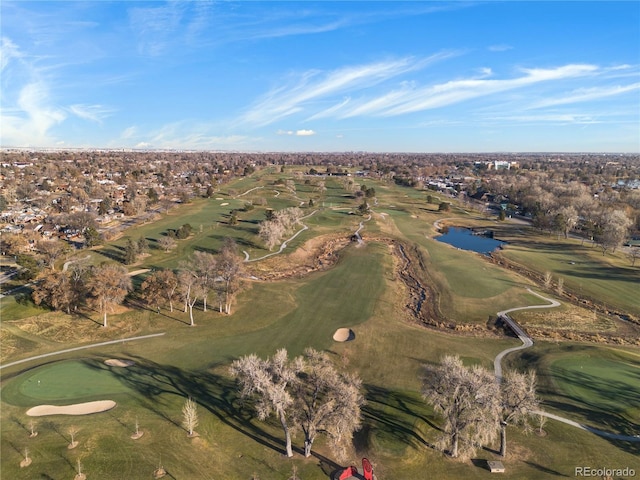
<point x="480" y="241"/>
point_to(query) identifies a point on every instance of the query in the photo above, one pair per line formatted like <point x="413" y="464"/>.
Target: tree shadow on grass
<point x="545" y="470"/>
<point x="138" y="304"/>
<point x="596" y="406"/>
<point x="112" y="253"/>
<point x="217" y="394"/>
<point x="392" y="414"/>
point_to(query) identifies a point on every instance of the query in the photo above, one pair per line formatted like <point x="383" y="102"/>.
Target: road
<point x="528" y="342"/>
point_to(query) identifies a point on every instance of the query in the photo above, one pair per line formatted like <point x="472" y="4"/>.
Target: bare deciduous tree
<point x="271" y="232"/>
<point x="204" y="266"/>
<point x="326" y="401"/>
<point x="268" y="380"/>
<point x="52" y="250"/>
<point x="73" y="431"/>
<point x="468" y="399"/>
<point x="614" y="227"/>
<point x="160" y="285"/>
<point x="279" y="224"/>
<point x="568" y="218"/>
<point x="108" y="285"/>
<point x="542" y="420"/>
<point x="166" y="243"/>
<point x="32" y="429"/>
<point x="229" y="272"/>
<point x="632" y="254"/>
<point x="190" y="290"/>
<point x="55" y="289"/>
<point x="518" y="401"/>
<point x="190" y="415"/>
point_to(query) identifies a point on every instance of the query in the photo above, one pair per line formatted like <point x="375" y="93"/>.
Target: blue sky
<point x="322" y="76"/>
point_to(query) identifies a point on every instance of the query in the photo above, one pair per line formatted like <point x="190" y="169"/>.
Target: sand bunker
<point x="224" y="204"/>
<point x="115" y="362"/>
<point x="76" y="409"/>
<point x="344" y="335"/>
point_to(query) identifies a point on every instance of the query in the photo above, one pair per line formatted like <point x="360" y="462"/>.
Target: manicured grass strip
<point x="594" y="385"/>
<point x="344" y="296"/>
<point x="67" y="350"/>
<point x="61" y="383"/>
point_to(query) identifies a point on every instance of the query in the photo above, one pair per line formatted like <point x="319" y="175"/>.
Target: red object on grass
<point x="368" y="470"/>
<point x="348" y="472"/>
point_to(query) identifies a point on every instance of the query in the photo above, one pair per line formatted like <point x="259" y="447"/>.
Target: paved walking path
<point x="93" y="345"/>
<point x="522" y="335"/>
<point x="282" y="246"/>
<point x="528" y="342"/>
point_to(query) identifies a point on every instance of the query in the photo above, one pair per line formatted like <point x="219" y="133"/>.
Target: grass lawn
<point x="61" y="383"/>
<point x="471" y="289"/>
<point x="596" y="385"/>
<point x="361" y="292"/>
<point x="607" y="279"/>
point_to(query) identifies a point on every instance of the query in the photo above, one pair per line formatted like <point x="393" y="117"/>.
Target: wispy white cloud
<point x="156" y="26"/>
<point x="305" y="133"/>
<point x="587" y="95"/>
<point x="187" y="135"/>
<point x="161" y="28"/>
<point x="313" y="85"/>
<point x="29" y="123"/>
<point x="297" y="133"/>
<point x="300" y="19"/>
<point x="331" y="111"/>
<point x="409" y="100"/>
<point x="129" y="132"/>
<point x="500" y="48"/>
<point x="561" y="118"/>
<point x="8" y="51"/>
<point x="94" y="113"/>
<point x="313" y="90"/>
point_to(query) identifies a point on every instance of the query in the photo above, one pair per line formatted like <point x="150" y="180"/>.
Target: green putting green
<point x="591" y="380"/>
<point x="62" y="383"/>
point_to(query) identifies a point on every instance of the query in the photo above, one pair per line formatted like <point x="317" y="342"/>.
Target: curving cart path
<point x="528" y="342"/>
<point x="93" y="345"/>
<point x="522" y="335"/>
<point x="282" y="246"/>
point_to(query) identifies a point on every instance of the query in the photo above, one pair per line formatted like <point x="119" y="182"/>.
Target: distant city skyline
<point x="322" y="76"/>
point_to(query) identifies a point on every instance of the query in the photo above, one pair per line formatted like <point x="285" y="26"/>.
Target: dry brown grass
<point x="318" y="253"/>
<point x="9" y="345"/>
<point x="60" y="328"/>
<point x="570" y="318"/>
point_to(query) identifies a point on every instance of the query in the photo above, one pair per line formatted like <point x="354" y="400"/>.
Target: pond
<point x="467" y="239"/>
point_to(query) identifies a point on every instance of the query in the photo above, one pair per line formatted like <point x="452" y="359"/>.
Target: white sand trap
<point x="344" y="335"/>
<point x="116" y="362"/>
<point x="219" y="198"/>
<point x="224" y="204"/>
<point x="76" y="409"/>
